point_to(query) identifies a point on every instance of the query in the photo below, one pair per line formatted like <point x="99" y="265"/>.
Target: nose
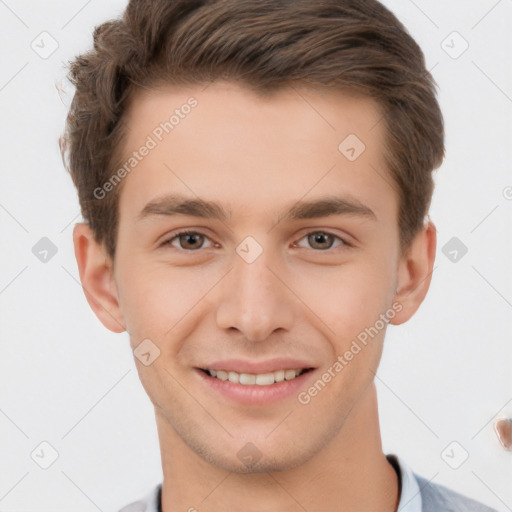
<point x="255" y="299"/>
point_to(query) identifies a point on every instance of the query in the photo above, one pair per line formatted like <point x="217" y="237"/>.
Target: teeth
<point x="247" y="379"/>
<point x="261" y="379"/>
<point x="279" y="375"/>
<point x="290" y="374"/>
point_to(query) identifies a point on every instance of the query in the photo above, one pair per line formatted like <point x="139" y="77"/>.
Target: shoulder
<point x="438" y="498"/>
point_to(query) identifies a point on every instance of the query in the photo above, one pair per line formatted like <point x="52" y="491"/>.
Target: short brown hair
<point x="352" y="45"/>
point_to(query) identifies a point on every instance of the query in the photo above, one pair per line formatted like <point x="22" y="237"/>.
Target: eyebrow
<point x="173" y="204"/>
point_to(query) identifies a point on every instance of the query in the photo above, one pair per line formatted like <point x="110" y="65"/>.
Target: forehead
<point x="225" y="142"/>
<point x="318" y="111"/>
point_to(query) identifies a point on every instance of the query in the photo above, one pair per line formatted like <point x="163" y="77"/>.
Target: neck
<point x="349" y="473"/>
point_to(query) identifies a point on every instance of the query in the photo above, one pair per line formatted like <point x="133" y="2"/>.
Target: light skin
<point x="305" y="297"/>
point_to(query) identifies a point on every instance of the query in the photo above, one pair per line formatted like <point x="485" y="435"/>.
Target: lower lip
<point x="255" y="394"/>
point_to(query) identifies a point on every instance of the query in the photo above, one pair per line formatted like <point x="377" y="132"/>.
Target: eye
<point x="323" y="240"/>
<point x="187" y="240"/>
<point x="190" y="241"/>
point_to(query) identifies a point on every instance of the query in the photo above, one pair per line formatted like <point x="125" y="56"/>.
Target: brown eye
<point x="187" y="240"/>
<point x="191" y="241"/>
<point x="322" y="241"/>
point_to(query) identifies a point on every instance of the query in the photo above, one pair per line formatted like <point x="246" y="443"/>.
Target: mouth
<point x="258" y="379"/>
<point x="254" y="389"/>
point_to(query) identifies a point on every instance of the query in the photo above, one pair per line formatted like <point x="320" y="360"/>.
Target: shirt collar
<point x="152" y="502"/>
<point x="410" y="495"/>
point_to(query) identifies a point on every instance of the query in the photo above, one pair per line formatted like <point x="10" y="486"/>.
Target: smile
<point x="260" y="379"/>
<point x="254" y="388"/>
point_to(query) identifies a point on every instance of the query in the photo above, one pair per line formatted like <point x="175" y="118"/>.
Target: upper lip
<point x="271" y="365"/>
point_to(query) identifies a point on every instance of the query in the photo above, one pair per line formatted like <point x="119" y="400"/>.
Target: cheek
<point x="347" y="298"/>
<point x="143" y="297"/>
<point x="155" y="298"/>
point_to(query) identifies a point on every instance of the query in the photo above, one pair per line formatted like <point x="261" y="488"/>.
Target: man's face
<point x="256" y="286"/>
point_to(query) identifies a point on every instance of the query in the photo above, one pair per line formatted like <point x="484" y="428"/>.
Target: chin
<point x="264" y="465"/>
<point x="261" y="456"/>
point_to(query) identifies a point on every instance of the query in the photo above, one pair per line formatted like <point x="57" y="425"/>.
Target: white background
<point x="65" y="379"/>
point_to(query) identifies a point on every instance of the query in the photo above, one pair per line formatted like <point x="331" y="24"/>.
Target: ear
<point x="96" y="275"/>
<point x="415" y="273"/>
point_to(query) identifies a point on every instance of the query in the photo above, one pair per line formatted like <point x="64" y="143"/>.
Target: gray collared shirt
<point x="417" y="495"/>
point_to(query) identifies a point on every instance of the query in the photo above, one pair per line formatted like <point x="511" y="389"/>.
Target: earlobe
<point x="95" y="270"/>
<point x="415" y="273"/>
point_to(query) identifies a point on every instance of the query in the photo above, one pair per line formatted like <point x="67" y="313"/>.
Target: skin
<point x="199" y="301"/>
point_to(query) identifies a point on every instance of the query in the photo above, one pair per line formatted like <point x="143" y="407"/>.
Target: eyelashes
<point x="185" y="236"/>
<point x="179" y="234"/>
